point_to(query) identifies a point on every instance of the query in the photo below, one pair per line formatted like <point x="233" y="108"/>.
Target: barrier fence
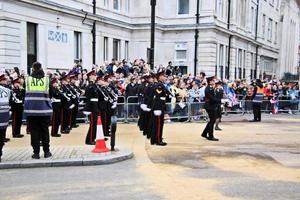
<point x="128" y="109"/>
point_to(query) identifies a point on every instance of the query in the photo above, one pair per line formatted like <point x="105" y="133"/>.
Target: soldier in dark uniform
<point x="67" y="105"/>
<point x="76" y="93"/>
<point x="147" y="104"/>
<point x="219" y="95"/>
<point x="158" y="108"/>
<point x="17" y="107"/>
<point x="91" y="107"/>
<point x="141" y="93"/>
<point x="211" y="102"/>
<point x="56" y="100"/>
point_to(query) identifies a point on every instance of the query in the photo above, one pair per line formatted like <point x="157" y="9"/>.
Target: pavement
<point x="67" y="151"/>
<point x="251" y="161"/>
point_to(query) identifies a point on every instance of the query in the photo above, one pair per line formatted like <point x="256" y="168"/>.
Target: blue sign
<point x="57" y="36"/>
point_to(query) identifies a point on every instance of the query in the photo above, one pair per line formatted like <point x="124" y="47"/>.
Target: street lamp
<point x="94" y="33"/>
<point x="152" y="44"/>
<point x="196" y="39"/>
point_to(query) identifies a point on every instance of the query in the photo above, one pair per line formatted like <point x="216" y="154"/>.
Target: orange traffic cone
<point x="100" y="142"/>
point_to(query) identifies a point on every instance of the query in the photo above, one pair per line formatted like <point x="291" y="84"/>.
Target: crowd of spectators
<point x="185" y="88"/>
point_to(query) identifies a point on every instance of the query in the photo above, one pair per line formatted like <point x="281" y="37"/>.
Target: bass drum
<point x="113" y="129"/>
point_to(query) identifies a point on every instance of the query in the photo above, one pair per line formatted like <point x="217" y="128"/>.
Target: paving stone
<point x="62" y="156"/>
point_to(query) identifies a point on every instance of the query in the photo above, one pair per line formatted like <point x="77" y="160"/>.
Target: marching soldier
<point x="56" y="99"/>
<point x="4" y="110"/>
<point x="91" y="108"/>
<point x="210" y="105"/>
<point x="158" y="109"/>
<point x="38" y="109"/>
<point x="67" y="105"/>
<point x="146" y="106"/>
<point x="76" y="94"/>
<point x="17" y="107"/>
<point x="111" y="102"/>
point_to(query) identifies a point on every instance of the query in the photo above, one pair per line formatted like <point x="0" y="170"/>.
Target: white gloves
<point x="157" y="112"/>
<point x="86" y="113"/>
<point x="114" y="105"/>
<point x="145" y="108"/>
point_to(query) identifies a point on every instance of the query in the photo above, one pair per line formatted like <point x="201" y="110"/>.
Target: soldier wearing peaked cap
<point x="17" y="107"/>
<point x="146" y="105"/>
<point x="211" y="102"/>
<point x="74" y="87"/>
<point x="158" y="108"/>
<point x="91" y="108"/>
<point x="56" y="100"/>
<point x="4" y="110"/>
<point x="67" y="105"/>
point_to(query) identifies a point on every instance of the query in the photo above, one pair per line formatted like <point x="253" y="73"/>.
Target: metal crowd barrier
<point x="194" y="111"/>
<point x="128" y="109"/>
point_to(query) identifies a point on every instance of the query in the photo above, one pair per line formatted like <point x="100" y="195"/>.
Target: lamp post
<point x="152" y="40"/>
<point x="94" y="33"/>
<point x="196" y="39"/>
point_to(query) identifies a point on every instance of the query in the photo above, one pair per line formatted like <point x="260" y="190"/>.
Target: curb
<point x="108" y="158"/>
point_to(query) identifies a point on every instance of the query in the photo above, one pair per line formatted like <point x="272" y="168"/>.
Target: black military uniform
<point x="141" y="93"/>
<point x="211" y="102"/>
<point x="17" y="108"/>
<point x="76" y="94"/>
<point x="56" y="100"/>
<point x="146" y="105"/>
<point x="67" y="105"/>
<point x="91" y="108"/>
<point x="158" y="110"/>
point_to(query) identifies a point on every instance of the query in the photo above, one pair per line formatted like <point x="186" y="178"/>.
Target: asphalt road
<point x="251" y="161"/>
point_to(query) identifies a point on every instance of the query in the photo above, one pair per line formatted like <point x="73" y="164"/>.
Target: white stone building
<point x="55" y="32"/>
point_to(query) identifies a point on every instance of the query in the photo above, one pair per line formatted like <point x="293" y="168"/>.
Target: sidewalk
<point x="68" y="150"/>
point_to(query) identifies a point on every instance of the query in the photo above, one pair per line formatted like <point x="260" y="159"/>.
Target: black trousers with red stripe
<point x="74" y="113"/>
<point x="105" y="119"/>
<point x="65" y="119"/>
<point x="16" y="122"/>
<point x="157" y="129"/>
<point x="56" y="120"/>
<point x="91" y="134"/>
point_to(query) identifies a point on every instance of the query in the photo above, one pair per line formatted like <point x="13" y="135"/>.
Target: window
<point x="242" y="12"/>
<point x="221" y="61"/>
<point x="77" y="45"/>
<point x="181" y="54"/>
<point x="183" y="7"/>
<point x="219" y="8"/>
<point x="31" y="45"/>
<point x="126" y="50"/>
<point x="105" y="49"/>
<point x="127" y="6"/>
<point x="116" y="4"/>
<point x="276" y="35"/>
<point x="253" y="19"/>
<point x="104" y="3"/>
<point x="270" y="22"/>
<point x="263" y="26"/>
<point x="116" y="49"/>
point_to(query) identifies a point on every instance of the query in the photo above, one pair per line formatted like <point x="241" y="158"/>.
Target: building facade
<point x="243" y="39"/>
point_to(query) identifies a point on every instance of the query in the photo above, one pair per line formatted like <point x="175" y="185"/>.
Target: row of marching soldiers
<point x="153" y="107"/>
<point x="56" y="100"/>
<point x="101" y="100"/>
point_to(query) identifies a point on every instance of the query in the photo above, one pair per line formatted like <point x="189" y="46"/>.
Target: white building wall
<point x="133" y="25"/>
